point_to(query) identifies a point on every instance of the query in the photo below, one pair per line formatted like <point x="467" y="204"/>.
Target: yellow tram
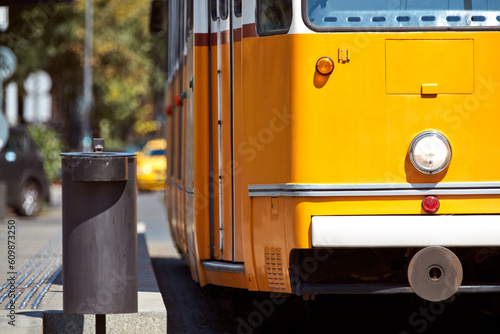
<point x="335" y="146"/>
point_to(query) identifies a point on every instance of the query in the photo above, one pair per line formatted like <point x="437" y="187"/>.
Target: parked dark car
<point x="21" y="168"/>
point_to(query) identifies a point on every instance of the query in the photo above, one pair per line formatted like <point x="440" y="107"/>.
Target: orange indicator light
<point x="324" y="65"/>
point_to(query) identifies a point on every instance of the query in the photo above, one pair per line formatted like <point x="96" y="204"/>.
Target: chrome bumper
<point x="406" y="231"/>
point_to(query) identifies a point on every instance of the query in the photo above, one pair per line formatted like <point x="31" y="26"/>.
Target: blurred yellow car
<point x="152" y="165"/>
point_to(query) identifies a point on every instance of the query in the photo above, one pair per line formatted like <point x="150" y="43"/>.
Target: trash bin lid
<point x="102" y="166"/>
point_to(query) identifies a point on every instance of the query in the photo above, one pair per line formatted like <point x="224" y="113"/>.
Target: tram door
<point x="222" y="45"/>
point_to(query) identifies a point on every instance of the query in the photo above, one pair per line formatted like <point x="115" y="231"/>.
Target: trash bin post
<point x="99" y="232"/>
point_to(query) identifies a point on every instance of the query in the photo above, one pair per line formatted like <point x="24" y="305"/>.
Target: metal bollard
<point x="99" y="232"/>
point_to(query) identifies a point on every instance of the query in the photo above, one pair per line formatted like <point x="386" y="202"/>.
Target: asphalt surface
<point x="189" y="309"/>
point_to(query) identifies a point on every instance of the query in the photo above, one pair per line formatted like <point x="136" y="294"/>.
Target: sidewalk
<point x="38" y="260"/>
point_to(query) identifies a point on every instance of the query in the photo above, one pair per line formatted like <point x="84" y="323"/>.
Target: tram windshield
<point x="332" y="14"/>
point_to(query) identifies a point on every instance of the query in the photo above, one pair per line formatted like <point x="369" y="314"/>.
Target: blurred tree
<point x="50" y="146"/>
<point x="126" y="75"/>
<point x="42" y="38"/>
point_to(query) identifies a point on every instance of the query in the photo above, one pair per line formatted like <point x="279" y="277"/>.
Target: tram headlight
<point x="430" y="152"/>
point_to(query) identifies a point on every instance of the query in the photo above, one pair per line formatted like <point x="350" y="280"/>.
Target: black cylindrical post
<point x="99" y="232"/>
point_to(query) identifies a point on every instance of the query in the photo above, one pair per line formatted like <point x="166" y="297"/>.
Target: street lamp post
<point x="88" y="76"/>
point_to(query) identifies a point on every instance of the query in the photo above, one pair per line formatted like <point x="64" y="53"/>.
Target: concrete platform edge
<point x="151" y="316"/>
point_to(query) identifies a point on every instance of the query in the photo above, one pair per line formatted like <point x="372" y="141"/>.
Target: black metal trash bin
<point x="99" y="233"/>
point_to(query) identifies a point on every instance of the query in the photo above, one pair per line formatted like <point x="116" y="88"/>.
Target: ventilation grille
<point x="274" y="269"/>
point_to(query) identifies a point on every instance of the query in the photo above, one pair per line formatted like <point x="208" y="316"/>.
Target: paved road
<point x="150" y="210"/>
<point x="189" y="309"/>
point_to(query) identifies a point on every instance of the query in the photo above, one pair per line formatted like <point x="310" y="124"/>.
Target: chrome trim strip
<point x="223" y="267"/>
<point x="388" y="189"/>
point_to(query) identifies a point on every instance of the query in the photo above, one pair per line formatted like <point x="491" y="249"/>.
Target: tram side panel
<point x="201" y="228"/>
<point x="191" y="248"/>
<point x="168" y="199"/>
<point x="266" y="155"/>
<point x="200" y="94"/>
<point x="239" y="190"/>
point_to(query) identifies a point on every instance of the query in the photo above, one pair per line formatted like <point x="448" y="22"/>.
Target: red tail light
<point x="178" y="100"/>
<point x="430" y="204"/>
<point x="168" y="110"/>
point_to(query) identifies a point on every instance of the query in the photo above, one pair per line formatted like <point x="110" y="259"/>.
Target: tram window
<point x="213" y="9"/>
<point x="223" y="11"/>
<point x="177" y="34"/>
<point x="237" y="8"/>
<point x="401" y="13"/>
<point x="156" y="17"/>
<point x="182" y="16"/>
<point x="189" y="18"/>
<point x="274" y="16"/>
